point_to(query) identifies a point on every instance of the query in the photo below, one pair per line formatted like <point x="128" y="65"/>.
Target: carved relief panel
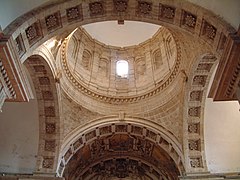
<point x="196" y="162"/>
<point x="166" y="13"/>
<point x="50" y="145"/>
<point x="34" y="33"/>
<point x="194" y="111"/>
<point x="97" y="8"/>
<point x="189" y="20"/>
<point x="194" y="128"/>
<point x="194" y="145"/>
<point x="208" y="31"/>
<point x="50" y="128"/>
<point x="196" y="95"/>
<point x="53" y="21"/>
<point x="199" y="80"/>
<point x="48" y="162"/>
<point x="120" y="5"/>
<point x="144" y="8"/>
<point x="74" y="13"/>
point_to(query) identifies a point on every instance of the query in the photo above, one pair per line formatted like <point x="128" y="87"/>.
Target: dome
<point x="92" y="66"/>
<point x="103" y="110"/>
<point x="111" y="33"/>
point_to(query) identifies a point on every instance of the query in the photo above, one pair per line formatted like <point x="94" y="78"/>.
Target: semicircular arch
<point x="195" y="96"/>
<point x="29" y="32"/>
<point x="48" y="111"/>
<point x="109" y="126"/>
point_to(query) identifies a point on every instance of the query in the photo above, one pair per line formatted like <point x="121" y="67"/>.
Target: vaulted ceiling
<point x="94" y="124"/>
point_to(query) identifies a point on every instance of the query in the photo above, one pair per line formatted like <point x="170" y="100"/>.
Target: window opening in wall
<point x="122" y="68"/>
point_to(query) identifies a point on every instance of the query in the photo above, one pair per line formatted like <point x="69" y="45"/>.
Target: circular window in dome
<point x="122" y="68"/>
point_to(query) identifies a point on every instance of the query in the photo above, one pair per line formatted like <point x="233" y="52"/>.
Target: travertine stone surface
<point x="166" y="85"/>
<point x="168" y="116"/>
<point x="93" y="64"/>
<point x="74" y="115"/>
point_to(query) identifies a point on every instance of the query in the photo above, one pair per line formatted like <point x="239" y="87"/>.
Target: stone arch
<point x="103" y="67"/>
<point x="140" y="66"/>
<point x="34" y="28"/>
<point x="49" y="122"/>
<point x="86" y="59"/>
<point x="157" y="60"/>
<point x="196" y="94"/>
<point x="110" y="126"/>
<point x="167" y="46"/>
<point x="29" y="32"/>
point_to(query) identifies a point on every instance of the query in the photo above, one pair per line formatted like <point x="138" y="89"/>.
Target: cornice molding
<point x="119" y="100"/>
<point x="227" y="78"/>
<point x="13" y="79"/>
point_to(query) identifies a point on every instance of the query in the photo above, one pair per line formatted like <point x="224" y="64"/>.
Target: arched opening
<point x="201" y="24"/>
<point x="121" y="150"/>
<point x="48" y="112"/>
<point x="121" y="156"/>
<point x="122" y="68"/>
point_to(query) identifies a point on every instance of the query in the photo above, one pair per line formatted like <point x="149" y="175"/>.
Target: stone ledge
<point x="205" y="176"/>
<point x="30" y="177"/>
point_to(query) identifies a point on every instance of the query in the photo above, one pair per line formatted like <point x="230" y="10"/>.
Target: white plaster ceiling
<point x="131" y="33"/>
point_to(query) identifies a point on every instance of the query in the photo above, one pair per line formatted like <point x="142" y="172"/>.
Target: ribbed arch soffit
<point x="104" y="127"/>
<point x="195" y="97"/>
<point x="48" y="110"/>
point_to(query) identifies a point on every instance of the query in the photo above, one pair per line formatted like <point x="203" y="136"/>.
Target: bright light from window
<point x="51" y="43"/>
<point x="122" y="68"/>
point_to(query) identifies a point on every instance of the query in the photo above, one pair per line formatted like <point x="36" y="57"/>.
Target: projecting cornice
<point x="13" y="80"/>
<point x="161" y="82"/>
<point x="226" y="80"/>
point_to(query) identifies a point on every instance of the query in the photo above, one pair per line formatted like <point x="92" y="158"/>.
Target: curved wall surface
<point x="227" y="9"/>
<point x="221" y="119"/>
